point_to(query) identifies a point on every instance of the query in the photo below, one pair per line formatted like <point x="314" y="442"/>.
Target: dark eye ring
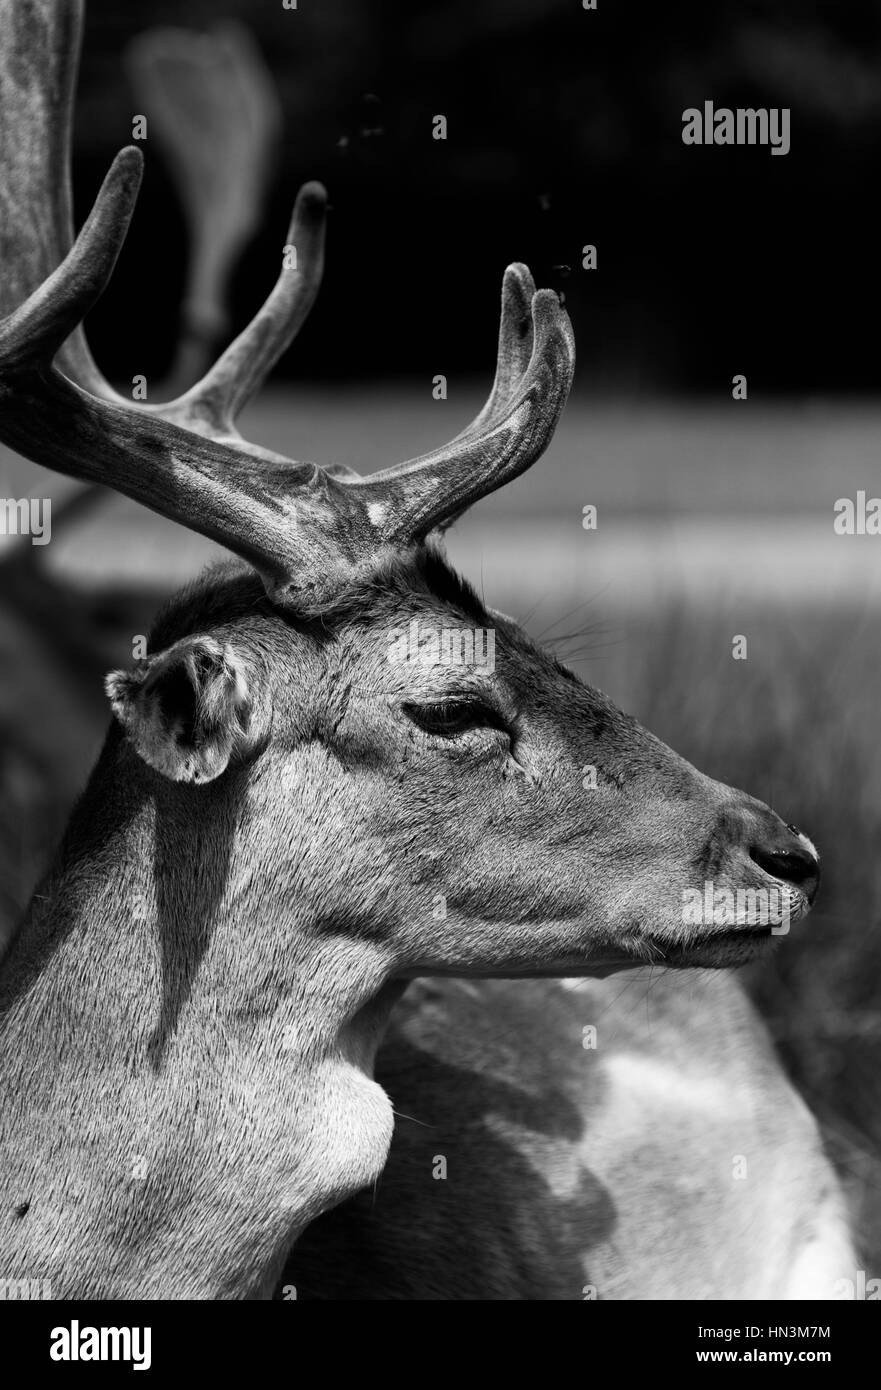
<point x="450" y="717"/>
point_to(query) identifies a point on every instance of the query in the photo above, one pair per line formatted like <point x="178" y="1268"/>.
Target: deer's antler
<point x="306" y="531"/>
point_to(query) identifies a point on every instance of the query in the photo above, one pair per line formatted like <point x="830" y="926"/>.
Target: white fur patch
<point x="809" y="846"/>
<point x="665" y="1085"/>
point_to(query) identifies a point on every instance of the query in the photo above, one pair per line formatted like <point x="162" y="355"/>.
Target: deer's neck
<point x="181" y="1089"/>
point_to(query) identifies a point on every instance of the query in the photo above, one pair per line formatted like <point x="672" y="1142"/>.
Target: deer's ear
<point x="187" y="710"/>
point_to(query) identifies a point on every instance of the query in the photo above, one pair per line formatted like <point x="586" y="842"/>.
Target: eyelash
<point x="446" y="718"/>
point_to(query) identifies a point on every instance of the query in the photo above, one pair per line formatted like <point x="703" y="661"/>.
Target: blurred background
<point x="714" y="515"/>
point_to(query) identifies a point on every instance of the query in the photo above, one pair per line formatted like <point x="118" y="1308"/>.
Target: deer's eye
<point x="450" y="717"/>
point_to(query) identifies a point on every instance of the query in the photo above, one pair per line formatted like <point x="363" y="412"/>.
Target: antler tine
<point x="512" y="359"/>
<point x="214" y="402"/>
<point x="35" y="332"/>
<point x="510" y="433"/>
<point x="515" y="345"/>
<point x="234" y="493"/>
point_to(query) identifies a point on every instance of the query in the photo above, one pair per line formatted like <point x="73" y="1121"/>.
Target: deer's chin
<point x="576" y="968"/>
<point x="721" y="947"/>
<point x="719" y="950"/>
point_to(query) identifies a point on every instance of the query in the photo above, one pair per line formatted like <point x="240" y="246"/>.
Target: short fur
<point x="189" y="1017"/>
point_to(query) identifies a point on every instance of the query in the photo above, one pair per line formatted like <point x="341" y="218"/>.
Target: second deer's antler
<point x="307" y="532"/>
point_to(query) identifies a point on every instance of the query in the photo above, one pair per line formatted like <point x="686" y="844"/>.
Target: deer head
<point x="308" y="795"/>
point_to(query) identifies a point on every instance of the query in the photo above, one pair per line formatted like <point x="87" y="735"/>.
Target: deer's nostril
<point x="793" y="865"/>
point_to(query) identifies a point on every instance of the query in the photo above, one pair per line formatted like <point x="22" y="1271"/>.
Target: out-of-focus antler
<point x="212" y="107"/>
<point x="307" y="532"/>
<point x="38" y="66"/>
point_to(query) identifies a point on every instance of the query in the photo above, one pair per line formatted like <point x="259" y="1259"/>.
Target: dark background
<point x="564" y="128"/>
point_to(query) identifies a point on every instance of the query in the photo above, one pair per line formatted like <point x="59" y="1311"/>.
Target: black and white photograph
<point x="440" y="634"/>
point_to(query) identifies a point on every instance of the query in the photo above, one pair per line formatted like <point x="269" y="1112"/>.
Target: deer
<point x="292" y="847"/>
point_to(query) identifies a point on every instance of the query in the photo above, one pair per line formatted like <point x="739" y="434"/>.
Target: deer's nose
<point x="786" y="854"/>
